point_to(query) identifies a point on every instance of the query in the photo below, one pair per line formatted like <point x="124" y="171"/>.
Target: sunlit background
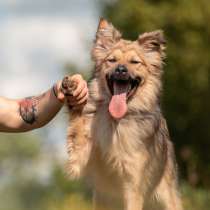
<point x="42" y="40"/>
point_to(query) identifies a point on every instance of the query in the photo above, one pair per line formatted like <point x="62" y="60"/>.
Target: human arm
<point x="34" y="112"/>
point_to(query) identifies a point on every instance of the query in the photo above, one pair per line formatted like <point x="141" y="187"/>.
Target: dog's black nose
<point x="121" y="69"/>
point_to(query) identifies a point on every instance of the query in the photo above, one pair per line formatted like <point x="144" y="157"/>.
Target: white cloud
<point x="37" y="37"/>
<point x="8" y="3"/>
<point x="34" y="50"/>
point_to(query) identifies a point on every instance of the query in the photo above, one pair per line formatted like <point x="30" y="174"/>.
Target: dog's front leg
<point x="133" y="200"/>
<point x="168" y="195"/>
<point x="79" y="146"/>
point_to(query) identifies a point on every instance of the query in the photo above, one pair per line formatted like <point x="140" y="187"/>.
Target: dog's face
<point x="128" y="71"/>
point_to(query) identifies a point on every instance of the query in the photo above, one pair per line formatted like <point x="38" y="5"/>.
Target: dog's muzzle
<point x="120" y="73"/>
<point x="120" y="76"/>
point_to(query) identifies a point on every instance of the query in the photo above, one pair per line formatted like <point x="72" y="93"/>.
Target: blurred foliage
<point x="71" y="69"/>
<point x="25" y="187"/>
<point x="186" y="102"/>
<point x="32" y="179"/>
<point x="198" y="199"/>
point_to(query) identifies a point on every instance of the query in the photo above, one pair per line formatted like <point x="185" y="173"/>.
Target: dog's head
<point x="128" y="71"/>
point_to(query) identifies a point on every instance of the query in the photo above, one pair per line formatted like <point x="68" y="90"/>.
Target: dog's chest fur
<point x="121" y="147"/>
<point x="117" y="141"/>
<point x="117" y="151"/>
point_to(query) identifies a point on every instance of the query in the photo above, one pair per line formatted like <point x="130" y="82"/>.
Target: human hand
<point x="73" y="89"/>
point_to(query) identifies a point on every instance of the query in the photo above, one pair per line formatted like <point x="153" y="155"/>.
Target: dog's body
<point x="119" y="140"/>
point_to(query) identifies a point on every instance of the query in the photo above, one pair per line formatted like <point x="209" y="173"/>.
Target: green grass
<point x="74" y="201"/>
<point x="193" y="199"/>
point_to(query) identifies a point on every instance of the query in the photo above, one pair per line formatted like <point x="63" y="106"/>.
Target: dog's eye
<point x="135" y="61"/>
<point x="112" y="60"/>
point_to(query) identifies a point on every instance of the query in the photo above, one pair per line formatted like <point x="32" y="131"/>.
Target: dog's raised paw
<point x="68" y="86"/>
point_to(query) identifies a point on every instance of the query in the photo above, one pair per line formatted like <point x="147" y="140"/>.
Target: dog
<point x="119" y="140"/>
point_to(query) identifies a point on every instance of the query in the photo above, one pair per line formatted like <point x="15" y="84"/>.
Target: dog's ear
<point x="106" y="32"/>
<point x="106" y="37"/>
<point x="153" y="41"/>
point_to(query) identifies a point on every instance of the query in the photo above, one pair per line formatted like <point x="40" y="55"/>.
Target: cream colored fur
<point x="130" y="162"/>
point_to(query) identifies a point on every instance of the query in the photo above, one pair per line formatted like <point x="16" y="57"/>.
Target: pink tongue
<point x="117" y="105"/>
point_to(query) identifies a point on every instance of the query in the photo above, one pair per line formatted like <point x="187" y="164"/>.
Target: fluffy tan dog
<point x="119" y="139"/>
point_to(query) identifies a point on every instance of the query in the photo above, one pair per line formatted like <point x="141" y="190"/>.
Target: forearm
<point x="28" y="113"/>
<point x="34" y="112"/>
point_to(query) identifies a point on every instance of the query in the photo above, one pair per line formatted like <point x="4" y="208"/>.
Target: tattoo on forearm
<point x="28" y="108"/>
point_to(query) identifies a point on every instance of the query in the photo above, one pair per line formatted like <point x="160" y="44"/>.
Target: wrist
<point x="57" y="92"/>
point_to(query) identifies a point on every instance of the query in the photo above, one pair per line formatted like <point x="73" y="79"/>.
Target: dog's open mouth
<point x="121" y="89"/>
